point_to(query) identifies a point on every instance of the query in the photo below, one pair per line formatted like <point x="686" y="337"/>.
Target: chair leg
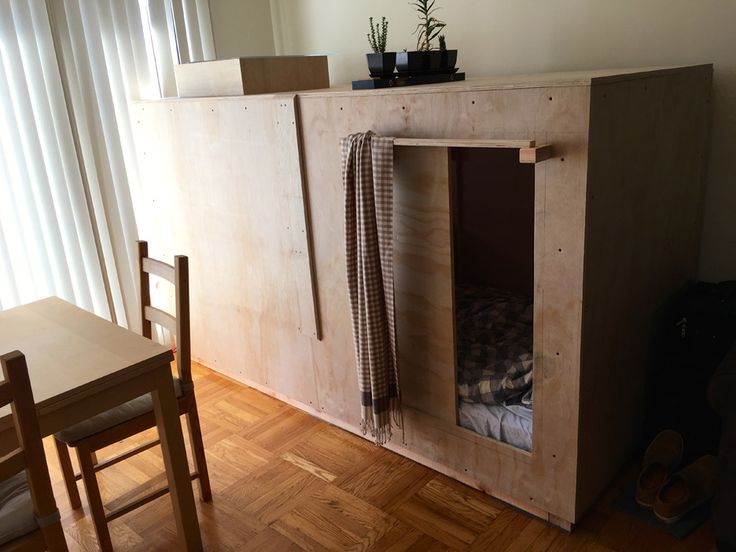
<point x="94" y="498"/>
<point x="200" y="462"/>
<point x="53" y="536"/>
<point x="67" y="471"/>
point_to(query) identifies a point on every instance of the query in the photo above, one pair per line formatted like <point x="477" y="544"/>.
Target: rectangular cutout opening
<point x="492" y="202"/>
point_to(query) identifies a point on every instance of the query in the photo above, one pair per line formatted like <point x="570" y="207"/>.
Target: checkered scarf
<point x="367" y="173"/>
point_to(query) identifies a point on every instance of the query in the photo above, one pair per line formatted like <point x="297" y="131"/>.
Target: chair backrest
<point x="16" y="391"/>
<point x="177" y="324"/>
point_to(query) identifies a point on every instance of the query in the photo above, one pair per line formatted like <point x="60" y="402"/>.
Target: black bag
<point x="697" y="328"/>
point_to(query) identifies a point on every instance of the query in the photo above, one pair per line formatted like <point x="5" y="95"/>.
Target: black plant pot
<point x="435" y="61"/>
<point x="413" y="62"/>
<point x="381" y="64"/>
<point x="449" y="59"/>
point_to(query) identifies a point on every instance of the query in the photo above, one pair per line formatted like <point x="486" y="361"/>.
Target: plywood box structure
<point x="251" y="75"/>
<point x="250" y="188"/>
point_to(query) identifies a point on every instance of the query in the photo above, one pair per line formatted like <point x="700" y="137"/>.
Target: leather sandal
<point x="660" y="459"/>
<point x="687" y="489"/>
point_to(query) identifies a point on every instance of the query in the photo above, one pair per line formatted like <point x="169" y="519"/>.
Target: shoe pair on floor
<point x="674" y="494"/>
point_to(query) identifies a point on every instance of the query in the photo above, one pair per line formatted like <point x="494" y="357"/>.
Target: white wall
<point x="242" y="28"/>
<point x="498" y="36"/>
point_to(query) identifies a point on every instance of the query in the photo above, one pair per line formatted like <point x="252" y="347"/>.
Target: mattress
<point x="494" y="345"/>
<point x="510" y="424"/>
<point x="495" y="363"/>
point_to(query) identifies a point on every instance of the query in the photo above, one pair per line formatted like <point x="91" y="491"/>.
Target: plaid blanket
<point x="494" y="345"/>
<point x="367" y="172"/>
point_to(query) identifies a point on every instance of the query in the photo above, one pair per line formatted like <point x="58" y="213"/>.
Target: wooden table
<point x="81" y="365"/>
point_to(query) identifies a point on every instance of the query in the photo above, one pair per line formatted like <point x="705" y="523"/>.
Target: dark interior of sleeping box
<point x="493" y="249"/>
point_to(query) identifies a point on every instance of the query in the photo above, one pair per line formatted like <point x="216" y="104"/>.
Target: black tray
<point x="407" y="80"/>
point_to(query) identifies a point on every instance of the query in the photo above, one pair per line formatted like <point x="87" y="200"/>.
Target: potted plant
<point x="449" y="57"/>
<point x="380" y="62"/>
<point x="428" y="28"/>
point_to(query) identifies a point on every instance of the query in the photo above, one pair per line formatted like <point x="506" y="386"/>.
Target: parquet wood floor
<point x="284" y="481"/>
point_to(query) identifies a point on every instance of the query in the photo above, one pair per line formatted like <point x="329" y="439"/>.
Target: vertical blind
<point x="68" y="171"/>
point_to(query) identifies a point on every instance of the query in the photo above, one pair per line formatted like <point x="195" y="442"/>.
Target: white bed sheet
<point x="511" y="424"/>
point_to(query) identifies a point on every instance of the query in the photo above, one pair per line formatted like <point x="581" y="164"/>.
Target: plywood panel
<point x="544" y="480"/>
<point x="424" y="280"/>
<point x="251" y="75"/>
<point x="224" y="187"/>
<point x="647" y="163"/>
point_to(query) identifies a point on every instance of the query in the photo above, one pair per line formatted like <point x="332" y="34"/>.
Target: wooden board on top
<point x="251" y="75"/>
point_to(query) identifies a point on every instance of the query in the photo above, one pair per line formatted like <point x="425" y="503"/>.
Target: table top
<point x="72" y="353"/>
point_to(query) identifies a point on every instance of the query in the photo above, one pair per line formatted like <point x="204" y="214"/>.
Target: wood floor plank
<point x="545" y="539"/>
<point x="285" y="481"/>
<point x="282" y="430"/>
<point x="334" y="450"/>
<point x="510" y="524"/>
<point x="273" y="491"/>
<point x="308" y="466"/>
<point x="269" y="540"/>
<point x="240" y="455"/>
<point x="404" y="538"/>
<point x="333" y="519"/>
<point x="450" y="513"/>
<point x="385" y="479"/>
<point x="526" y="538"/>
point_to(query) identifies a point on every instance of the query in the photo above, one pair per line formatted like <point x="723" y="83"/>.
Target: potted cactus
<point x="425" y="58"/>
<point x="380" y="62"/>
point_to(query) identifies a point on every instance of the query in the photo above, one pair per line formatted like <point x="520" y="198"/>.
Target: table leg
<point x="175" y="459"/>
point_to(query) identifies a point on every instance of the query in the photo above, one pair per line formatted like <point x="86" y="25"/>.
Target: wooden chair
<point x="137" y="415"/>
<point x="29" y="518"/>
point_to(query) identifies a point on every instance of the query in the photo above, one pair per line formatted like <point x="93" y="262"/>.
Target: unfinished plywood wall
<point x="645" y="194"/>
<point x="224" y="186"/>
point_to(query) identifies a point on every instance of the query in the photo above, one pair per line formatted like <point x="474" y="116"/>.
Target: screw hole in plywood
<point x="473" y="102"/>
<point x="562" y="159"/>
<point x="550" y="98"/>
